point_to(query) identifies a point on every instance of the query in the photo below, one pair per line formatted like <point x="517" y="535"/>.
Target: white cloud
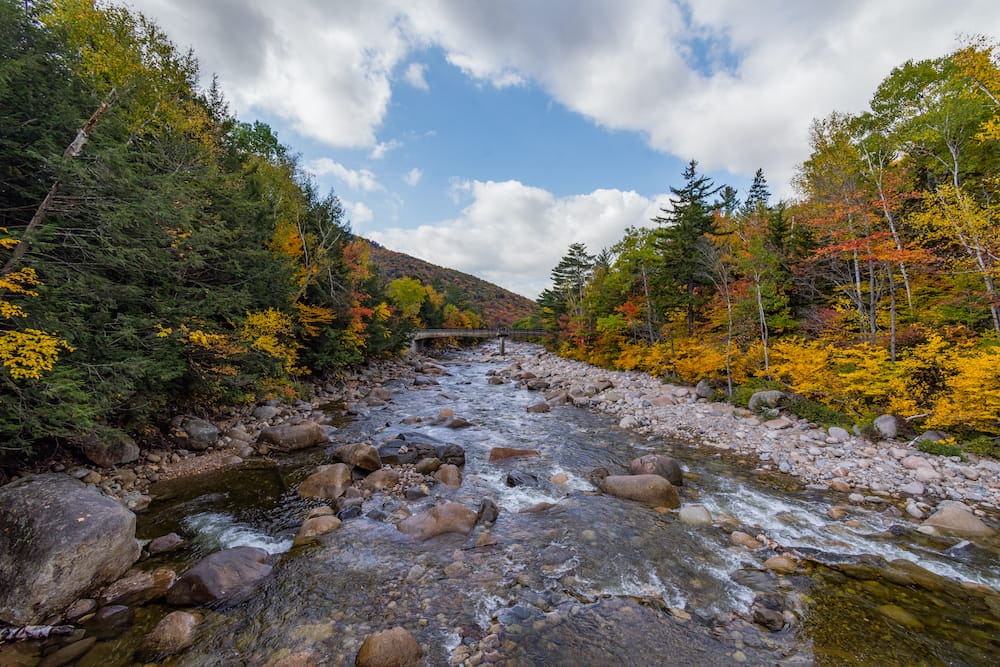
<point x="355" y="179"/>
<point x="413" y="176"/>
<point x="383" y="147"/>
<point x="359" y="213"/>
<point x="415" y="75"/>
<point x="513" y="234"/>
<point x="732" y="83"/>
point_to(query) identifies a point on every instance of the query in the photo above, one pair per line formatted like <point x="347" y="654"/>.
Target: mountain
<point x="497" y="305"/>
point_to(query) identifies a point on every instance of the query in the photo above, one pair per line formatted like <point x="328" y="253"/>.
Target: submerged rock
<point x="498" y="454"/>
<point x="173" y="634"/>
<point x="220" y="575"/>
<point x="316" y="526"/>
<point x="444" y="518"/>
<point x="391" y="648"/>
<point x="956" y="518"/>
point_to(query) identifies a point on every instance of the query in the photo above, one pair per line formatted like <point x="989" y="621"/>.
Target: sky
<point x="487" y="136"/>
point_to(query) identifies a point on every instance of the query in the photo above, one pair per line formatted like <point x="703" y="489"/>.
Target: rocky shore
<point x="889" y="470"/>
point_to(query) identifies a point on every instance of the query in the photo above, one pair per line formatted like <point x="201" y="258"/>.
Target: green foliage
<point x="983" y="445"/>
<point x="939" y="448"/>
<point x="816" y="412"/>
<point x="742" y="393"/>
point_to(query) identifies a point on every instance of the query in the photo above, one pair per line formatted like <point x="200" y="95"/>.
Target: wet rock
<point x="781" y="563"/>
<point x="695" y="515"/>
<point x="58" y="539"/>
<point x="957" y="519"/>
<point x="110" y="621"/>
<point x="452" y="454"/>
<point x="488" y="512"/>
<point x="538" y="408"/>
<point x="447" y="517"/>
<point x="519" y="478"/>
<point x="68" y="654"/>
<point x="427" y="466"/>
<point x="360" y="455"/>
<point x="323" y="510"/>
<point x="500" y="454"/>
<point x="415" y="493"/>
<point x="174" y="633"/>
<point x="79" y="609"/>
<point x="765" y="399"/>
<point x="328" y="482"/>
<point x="386" y="478"/>
<point x="742" y="539"/>
<point x="666" y="467"/>
<point x="297" y="659"/>
<point x="559" y="478"/>
<point x="165" y="544"/>
<point x="768" y="618"/>
<point x="113" y="449"/>
<point x="350" y="512"/>
<point x="138" y="588"/>
<point x="220" y="575"/>
<point x="391" y="648"/>
<point x="266" y="412"/>
<point x="314" y="527"/>
<point x="649" y="489"/>
<point x="291" y="437"/>
<point x="201" y="434"/>
<point x="449" y="475"/>
<point x="901" y="616"/>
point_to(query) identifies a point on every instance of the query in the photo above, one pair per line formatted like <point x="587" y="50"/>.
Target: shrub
<point x="984" y="445"/>
<point x="741" y="394"/>
<point x="816" y="412"/>
<point x="939" y="448"/>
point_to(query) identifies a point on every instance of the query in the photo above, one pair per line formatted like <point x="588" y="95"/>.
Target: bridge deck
<point x="424" y="334"/>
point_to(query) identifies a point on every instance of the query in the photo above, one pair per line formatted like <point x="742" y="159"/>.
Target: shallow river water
<point x="574" y="577"/>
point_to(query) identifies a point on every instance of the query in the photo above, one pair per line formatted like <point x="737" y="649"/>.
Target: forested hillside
<point x="156" y="251"/>
<point x="494" y="304"/>
<point x="874" y="291"/>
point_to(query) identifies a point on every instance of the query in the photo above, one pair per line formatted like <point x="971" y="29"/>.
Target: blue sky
<point x="488" y="136"/>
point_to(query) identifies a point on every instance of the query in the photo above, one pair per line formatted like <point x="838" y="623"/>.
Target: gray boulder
<point x="291" y="437"/>
<point x="220" y="575"/>
<point x="201" y="434"/>
<point x="360" y="455"/>
<point x="955" y="518"/>
<point x="327" y="483"/>
<point x="666" y="467"/>
<point x="887" y="426"/>
<point x="112" y="449"/>
<point x="649" y="489"/>
<point x="58" y="539"/>
<point x="704" y="389"/>
<point x="765" y="399"/>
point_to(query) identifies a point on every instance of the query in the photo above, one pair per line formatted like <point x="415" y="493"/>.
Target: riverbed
<point x="567" y="575"/>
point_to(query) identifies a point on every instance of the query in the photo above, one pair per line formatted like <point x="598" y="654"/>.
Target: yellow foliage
<point x="382" y="312"/>
<point x="653" y="359"/>
<point x="30" y="353"/>
<point x="313" y="317"/>
<point x="697" y="360"/>
<point x="20" y="282"/>
<point x="271" y="331"/>
<point x="805" y="366"/>
<point x="972" y="400"/>
<point x="918" y="375"/>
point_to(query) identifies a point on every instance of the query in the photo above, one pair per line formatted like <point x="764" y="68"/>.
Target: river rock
<point x="110" y="450"/>
<point x="449" y="475"/>
<point x="887" y="426"/>
<point x="386" y="478"/>
<point x="328" y="482"/>
<point x="765" y="399"/>
<point x="174" y="633"/>
<point x="220" y="575"/>
<point x="391" y="648"/>
<point x="447" y="517"/>
<point x="488" y="512"/>
<point x="913" y="489"/>
<point x="314" y="527"/>
<point x="666" y="467"/>
<point x="58" y="539"/>
<point x="695" y="515"/>
<point x="781" y="563"/>
<point x="926" y="474"/>
<point x="165" y="544"/>
<point x="703" y="389"/>
<point x="266" y="412"/>
<point x="290" y="437"/>
<point x="453" y="454"/>
<point x="742" y="539"/>
<point x="838" y="434"/>
<point x="68" y="654"/>
<point x="138" y="588"/>
<point x="201" y="434"/>
<point x="110" y="621"/>
<point x="914" y="462"/>
<point x="520" y="478"/>
<point x="427" y="466"/>
<point x="538" y="408"/>
<point x="360" y="455"/>
<point x="629" y="421"/>
<point x="649" y="489"/>
<point x="956" y="518"/>
<point x="499" y="454"/>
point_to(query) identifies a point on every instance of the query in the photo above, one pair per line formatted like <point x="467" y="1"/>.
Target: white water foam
<point x="642" y="581"/>
<point x="218" y="530"/>
<point x="517" y="498"/>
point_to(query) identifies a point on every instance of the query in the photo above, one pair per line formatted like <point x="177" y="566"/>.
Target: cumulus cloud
<point x="512" y="234"/>
<point x="358" y="213"/>
<point x="413" y="176"/>
<point x="382" y="148"/>
<point x="415" y="75"/>
<point x="355" y="179"/>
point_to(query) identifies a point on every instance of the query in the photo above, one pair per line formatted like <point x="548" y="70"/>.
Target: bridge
<point x="500" y="332"/>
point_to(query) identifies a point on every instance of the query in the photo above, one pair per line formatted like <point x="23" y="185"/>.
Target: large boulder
<point x="138" y="588"/>
<point x="438" y="520"/>
<point x="58" y="539"/>
<point x="201" y="434"/>
<point x="391" y="648"/>
<point x="290" y="437"/>
<point x="666" y="467"/>
<point x="649" y="489"/>
<point x="220" y="575"/>
<point x="956" y="518"/>
<point x="360" y="455"/>
<point x="173" y="634"/>
<point x="112" y="449"/>
<point x="328" y="482"/>
<point x="410" y="447"/>
<point x="314" y="527"/>
<point x="887" y="426"/>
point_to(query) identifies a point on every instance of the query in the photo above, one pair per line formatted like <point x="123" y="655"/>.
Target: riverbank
<point x="887" y="471"/>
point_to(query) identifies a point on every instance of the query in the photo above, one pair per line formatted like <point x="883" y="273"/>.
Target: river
<point x="570" y="576"/>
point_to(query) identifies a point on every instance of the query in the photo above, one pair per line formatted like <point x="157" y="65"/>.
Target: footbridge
<point x="500" y="332"/>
